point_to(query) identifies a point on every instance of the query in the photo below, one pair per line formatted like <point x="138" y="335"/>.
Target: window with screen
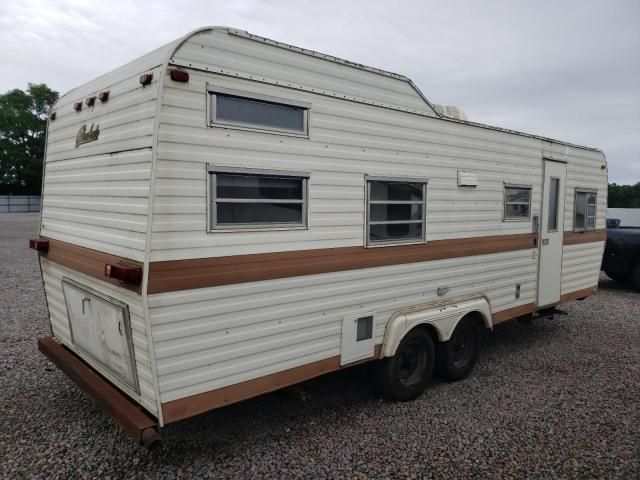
<point x="396" y="211"/>
<point x="517" y="202"/>
<point x="257" y="199"/>
<point x="230" y="108"/>
<point x="585" y="210"/>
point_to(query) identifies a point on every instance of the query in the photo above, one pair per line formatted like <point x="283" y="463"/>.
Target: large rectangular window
<point x="517" y="202"/>
<point x="242" y="198"/>
<point x="585" y="210"/>
<point x="396" y="210"/>
<point x="231" y="108"/>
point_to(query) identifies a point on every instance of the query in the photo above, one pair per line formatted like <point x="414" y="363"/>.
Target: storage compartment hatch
<point x="101" y="328"/>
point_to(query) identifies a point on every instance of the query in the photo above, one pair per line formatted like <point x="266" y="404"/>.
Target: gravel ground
<point x="555" y="399"/>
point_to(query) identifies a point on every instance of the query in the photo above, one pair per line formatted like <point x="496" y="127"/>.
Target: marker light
<point x="179" y="75"/>
<point x="146" y="79"/>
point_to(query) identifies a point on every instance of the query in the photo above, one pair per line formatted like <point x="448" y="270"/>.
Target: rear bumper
<point x="139" y="425"/>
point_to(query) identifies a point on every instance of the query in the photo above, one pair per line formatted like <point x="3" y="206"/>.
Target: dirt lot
<point x="558" y="398"/>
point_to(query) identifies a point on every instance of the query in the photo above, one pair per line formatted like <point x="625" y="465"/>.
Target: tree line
<point x="23" y="123"/>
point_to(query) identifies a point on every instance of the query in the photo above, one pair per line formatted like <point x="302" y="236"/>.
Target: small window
<point x="396" y="211"/>
<point x="257" y="198"/>
<point x="230" y="108"/>
<point x="552" y="224"/>
<point x="585" y="210"/>
<point x="517" y="202"/>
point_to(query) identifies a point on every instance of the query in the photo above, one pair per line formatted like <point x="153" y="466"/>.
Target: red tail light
<point x="39" y="245"/>
<point x="179" y="75"/>
<point x="146" y="79"/>
<point x="125" y="273"/>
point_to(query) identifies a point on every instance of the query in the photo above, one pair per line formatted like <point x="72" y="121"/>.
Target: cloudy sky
<point x="564" y="69"/>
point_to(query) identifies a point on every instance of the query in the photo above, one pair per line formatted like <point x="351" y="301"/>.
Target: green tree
<point x="624" y="196"/>
<point x="23" y="121"/>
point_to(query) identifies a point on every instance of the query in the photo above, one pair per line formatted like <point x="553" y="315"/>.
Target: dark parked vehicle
<point x="621" y="260"/>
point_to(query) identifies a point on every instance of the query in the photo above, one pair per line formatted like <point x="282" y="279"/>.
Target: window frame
<point x="367" y="230"/>
<point x="506" y="218"/>
<point x="212" y="200"/>
<point x="213" y="121"/>
<point x="586" y="191"/>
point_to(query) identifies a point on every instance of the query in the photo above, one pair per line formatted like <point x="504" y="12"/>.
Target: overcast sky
<point x="563" y="69"/>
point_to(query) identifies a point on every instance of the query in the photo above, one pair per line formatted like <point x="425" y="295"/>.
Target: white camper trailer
<point x="229" y="215"/>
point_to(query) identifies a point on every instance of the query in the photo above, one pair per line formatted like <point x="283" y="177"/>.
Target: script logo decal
<point x="85" y="137"/>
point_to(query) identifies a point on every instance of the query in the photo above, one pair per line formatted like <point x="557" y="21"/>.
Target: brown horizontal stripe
<point x="173" y="275"/>
<point x="511" y="313"/>
<point x="203" y="402"/>
<point x="573" y="238"/>
<point x="88" y="261"/>
<point x="585" y="292"/>
<point x="168" y="276"/>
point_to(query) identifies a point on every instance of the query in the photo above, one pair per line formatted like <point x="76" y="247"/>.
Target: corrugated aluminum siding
<point x="52" y="274"/>
<point x="213" y="337"/>
<point x="581" y="266"/>
<point x="96" y="195"/>
<point x="236" y="53"/>
<point x="347" y="140"/>
<point x="99" y="202"/>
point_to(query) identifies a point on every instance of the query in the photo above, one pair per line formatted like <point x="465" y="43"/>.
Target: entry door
<point x="551" y="233"/>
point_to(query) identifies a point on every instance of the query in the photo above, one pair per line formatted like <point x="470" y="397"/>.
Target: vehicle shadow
<point x="606" y="283"/>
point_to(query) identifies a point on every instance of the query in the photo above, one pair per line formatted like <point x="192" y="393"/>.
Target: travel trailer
<point x="229" y="215"/>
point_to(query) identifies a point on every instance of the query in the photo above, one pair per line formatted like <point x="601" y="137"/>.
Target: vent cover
<point x="364" y="328"/>
<point x="357" y="337"/>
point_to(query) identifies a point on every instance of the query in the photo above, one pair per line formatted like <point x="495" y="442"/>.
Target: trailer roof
<point x="164" y="55"/>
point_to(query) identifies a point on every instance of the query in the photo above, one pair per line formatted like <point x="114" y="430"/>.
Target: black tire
<point x="405" y="375"/>
<point x="456" y="358"/>
<point x="620" y="277"/>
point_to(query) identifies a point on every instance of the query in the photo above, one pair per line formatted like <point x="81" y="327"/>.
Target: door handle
<point x="85" y="299"/>
<point x="545" y="241"/>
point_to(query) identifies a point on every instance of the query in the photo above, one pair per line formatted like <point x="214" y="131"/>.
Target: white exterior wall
<point x="347" y="140"/>
<point x="213" y="337"/>
<point x="584" y="170"/>
<point x="52" y="274"/>
<point x="581" y="266"/>
<point x="97" y="195"/>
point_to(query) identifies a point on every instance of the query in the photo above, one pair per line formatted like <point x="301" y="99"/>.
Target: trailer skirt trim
<point x="139" y="425"/>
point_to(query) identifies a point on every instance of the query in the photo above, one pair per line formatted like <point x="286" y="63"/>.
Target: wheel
<point x="405" y="375"/>
<point x="620" y="277"/>
<point x="455" y="359"/>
